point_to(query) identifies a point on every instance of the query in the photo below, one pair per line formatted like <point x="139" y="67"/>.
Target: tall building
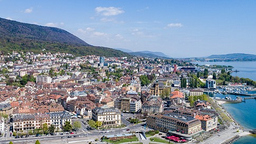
<point x="102" y="60"/>
<point x="210" y="83"/>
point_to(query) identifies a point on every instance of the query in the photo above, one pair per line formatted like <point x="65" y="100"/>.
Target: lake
<point x="246" y="69"/>
<point x="244" y="113"/>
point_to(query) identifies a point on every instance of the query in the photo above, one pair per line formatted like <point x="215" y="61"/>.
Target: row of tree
<point x="94" y="124"/>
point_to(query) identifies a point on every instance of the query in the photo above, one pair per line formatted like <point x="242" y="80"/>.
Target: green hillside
<point x="29" y="37"/>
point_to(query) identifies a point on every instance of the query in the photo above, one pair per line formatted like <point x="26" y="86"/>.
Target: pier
<point x="253" y="97"/>
<point x="241" y="94"/>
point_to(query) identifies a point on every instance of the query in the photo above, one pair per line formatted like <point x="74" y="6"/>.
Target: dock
<point x="253" y="97"/>
<point x="241" y="94"/>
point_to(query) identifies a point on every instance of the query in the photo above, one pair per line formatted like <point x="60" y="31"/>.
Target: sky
<point x="178" y="28"/>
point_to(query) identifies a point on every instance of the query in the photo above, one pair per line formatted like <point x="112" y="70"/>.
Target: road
<point x="80" y="136"/>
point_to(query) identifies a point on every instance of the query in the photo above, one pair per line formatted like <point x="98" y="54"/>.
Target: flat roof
<point x="180" y="117"/>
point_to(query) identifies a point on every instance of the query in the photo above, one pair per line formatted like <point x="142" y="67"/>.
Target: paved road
<point x="81" y="136"/>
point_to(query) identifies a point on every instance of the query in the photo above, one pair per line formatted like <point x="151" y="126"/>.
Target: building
<point x="196" y="92"/>
<point x="6" y="108"/>
<point x="135" y="104"/>
<point x="157" y="89"/>
<point x="175" y="123"/>
<point x="177" y="98"/>
<point x="208" y="122"/>
<point x="128" y="104"/>
<point x="108" y="116"/>
<point x="58" y="119"/>
<point x="43" y="79"/>
<point x="2" y="125"/>
<point x="24" y="122"/>
<point x="125" y="104"/>
<point x="153" y="104"/>
<point x="210" y="84"/>
<point x="102" y="60"/>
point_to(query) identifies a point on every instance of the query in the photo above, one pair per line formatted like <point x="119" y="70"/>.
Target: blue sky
<point x="178" y="28"/>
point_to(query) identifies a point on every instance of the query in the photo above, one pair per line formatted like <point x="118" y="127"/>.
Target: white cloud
<point x="119" y="36"/>
<point x="109" y="11"/>
<point x="99" y="34"/>
<point x="107" y="19"/>
<point x="90" y="29"/>
<point x="143" y="9"/>
<point x="175" y="25"/>
<point x="29" y="10"/>
<point x="8" y="17"/>
<point x="137" y="32"/>
<point x="91" y="32"/>
<point x="50" y="24"/>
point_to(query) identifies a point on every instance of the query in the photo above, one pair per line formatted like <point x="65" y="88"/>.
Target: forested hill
<point x="29" y="37"/>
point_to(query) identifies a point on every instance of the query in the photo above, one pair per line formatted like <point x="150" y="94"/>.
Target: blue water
<point x="246" y="69"/>
<point x="243" y="113"/>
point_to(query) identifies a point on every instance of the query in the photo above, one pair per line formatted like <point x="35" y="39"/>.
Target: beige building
<point x="108" y="116"/>
<point x="153" y="104"/>
<point x="157" y="89"/>
<point x="24" y="122"/>
<point x="174" y="123"/>
<point x="208" y="123"/>
<point x="196" y="92"/>
<point x="6" y="108"/>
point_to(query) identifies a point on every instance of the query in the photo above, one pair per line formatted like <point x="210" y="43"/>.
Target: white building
<point x="43" y="78"/>
<point x="108" y="116"/>
<point x="210" y="83"/>
<point x="2" y="125"/>
<point x="135" y="105"/>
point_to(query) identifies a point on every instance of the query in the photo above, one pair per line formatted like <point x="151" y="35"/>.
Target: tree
<point x="206" y="73"/>
<point x="98" y="123"/>
<point x="45" y="128"/>
<point x="223" y="71"/>
<point x="183" y="83"/>
<point x="51" y="72"/>
<point x="51" y="129"/>
<point x="144" y="80"/>
<point x="37" y="142"/>
<point x="77" y="125"/>
<point x="67" y="126"/>
<point x="92" y="123"/>
<point x="198" y="75"/>
<point x="214" y="76"/>
<point x="192" y="83"/>
<point x="166" y="92"/>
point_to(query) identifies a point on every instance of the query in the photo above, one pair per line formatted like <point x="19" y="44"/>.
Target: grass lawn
<point x="156" y="139"/>
<point x="219" y="82"/>
<point x="151" y="133"/>
<point x="134" y="138"/>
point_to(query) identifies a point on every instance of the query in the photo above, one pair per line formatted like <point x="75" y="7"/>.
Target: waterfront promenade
<point x="226" y="135"/>
<point x="233" y="131"/>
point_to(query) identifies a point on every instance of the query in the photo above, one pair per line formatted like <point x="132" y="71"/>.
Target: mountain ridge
<point x="18" y="36"/>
